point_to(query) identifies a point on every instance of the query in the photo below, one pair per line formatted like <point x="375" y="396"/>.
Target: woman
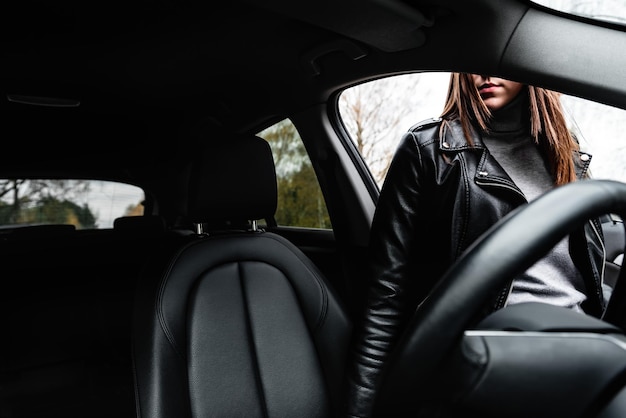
<point x="497" y="145"/>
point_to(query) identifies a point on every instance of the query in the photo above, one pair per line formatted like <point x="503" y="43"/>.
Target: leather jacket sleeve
<point x="392" y="297"/>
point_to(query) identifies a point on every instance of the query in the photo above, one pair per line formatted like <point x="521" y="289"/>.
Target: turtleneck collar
<point x="514" y="116"/>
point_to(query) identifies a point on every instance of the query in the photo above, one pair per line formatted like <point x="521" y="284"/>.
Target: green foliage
<point x="6" y="213"/>
<point x="300" y="199"/>
<point x="53" y="211"/>
<point x="39" y="202"/>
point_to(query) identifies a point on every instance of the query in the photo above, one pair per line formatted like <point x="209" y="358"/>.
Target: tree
<point x="11" y="199"/>
<point x="300" y="200"/>
<point x="53" y="210"/>
<point x="372" y="112"/>
<point x="377" y="113"/>
<point x="44" y="201"/>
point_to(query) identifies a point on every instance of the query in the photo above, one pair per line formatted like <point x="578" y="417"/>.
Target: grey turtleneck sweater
<point x="553" y="279"/>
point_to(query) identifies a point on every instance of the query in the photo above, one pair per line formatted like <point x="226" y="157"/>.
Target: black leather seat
<point x="239" y="322"/>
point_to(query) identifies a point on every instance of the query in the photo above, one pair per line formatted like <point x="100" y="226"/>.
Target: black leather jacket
<point x="440" y="195"/>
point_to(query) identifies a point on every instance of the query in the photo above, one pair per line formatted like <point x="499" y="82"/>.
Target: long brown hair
<point x="548" y="125"/>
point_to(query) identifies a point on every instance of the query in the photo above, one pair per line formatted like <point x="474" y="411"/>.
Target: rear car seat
<point x="65" y="307"/>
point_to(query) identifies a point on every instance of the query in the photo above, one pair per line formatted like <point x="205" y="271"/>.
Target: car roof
<point x="148" y="74"/>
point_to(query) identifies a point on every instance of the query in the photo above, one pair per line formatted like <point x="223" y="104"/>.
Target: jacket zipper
<point x="483" y="180"/>
<point x="497" y="183"/>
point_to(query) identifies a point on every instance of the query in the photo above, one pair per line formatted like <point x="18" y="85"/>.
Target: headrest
<point x="233" y="180"/>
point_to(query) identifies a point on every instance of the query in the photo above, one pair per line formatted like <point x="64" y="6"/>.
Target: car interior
<point x="217" y="292"/>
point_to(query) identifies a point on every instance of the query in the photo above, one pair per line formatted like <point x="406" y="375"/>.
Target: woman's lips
<point x="487" y="88"/>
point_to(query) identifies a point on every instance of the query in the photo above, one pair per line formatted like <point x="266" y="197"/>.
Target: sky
<point x="108" y="200"/>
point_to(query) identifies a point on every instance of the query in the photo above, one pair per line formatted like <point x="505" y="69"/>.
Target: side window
<point x="86" y="204"/>
<point x="600" y="130"/>
<point x="377" y="113"/>
<point x="300" y="200"/>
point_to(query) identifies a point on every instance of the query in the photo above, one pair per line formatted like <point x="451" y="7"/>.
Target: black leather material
<point x="518" y="240"/>
<point x="234" y="180"/>
<point x="238" y="323"/>
<point x="534" y="374"/>
<point x="541" y="317"/>
<point x="462" y="191"/>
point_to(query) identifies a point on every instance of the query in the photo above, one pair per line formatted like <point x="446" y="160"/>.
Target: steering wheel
<point x="506" y="250"/>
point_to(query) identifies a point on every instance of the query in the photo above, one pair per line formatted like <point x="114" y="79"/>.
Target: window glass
<point x="300" y="200"/>
<point x="606" y="10"/>
<point x="86" y="204"/>
<point x="377" y="113"/>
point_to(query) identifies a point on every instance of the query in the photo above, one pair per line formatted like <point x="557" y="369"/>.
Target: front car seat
<point x="239" y="322"/>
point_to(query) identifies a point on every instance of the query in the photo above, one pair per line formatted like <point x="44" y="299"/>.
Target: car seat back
<point x="239" y="322"/>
